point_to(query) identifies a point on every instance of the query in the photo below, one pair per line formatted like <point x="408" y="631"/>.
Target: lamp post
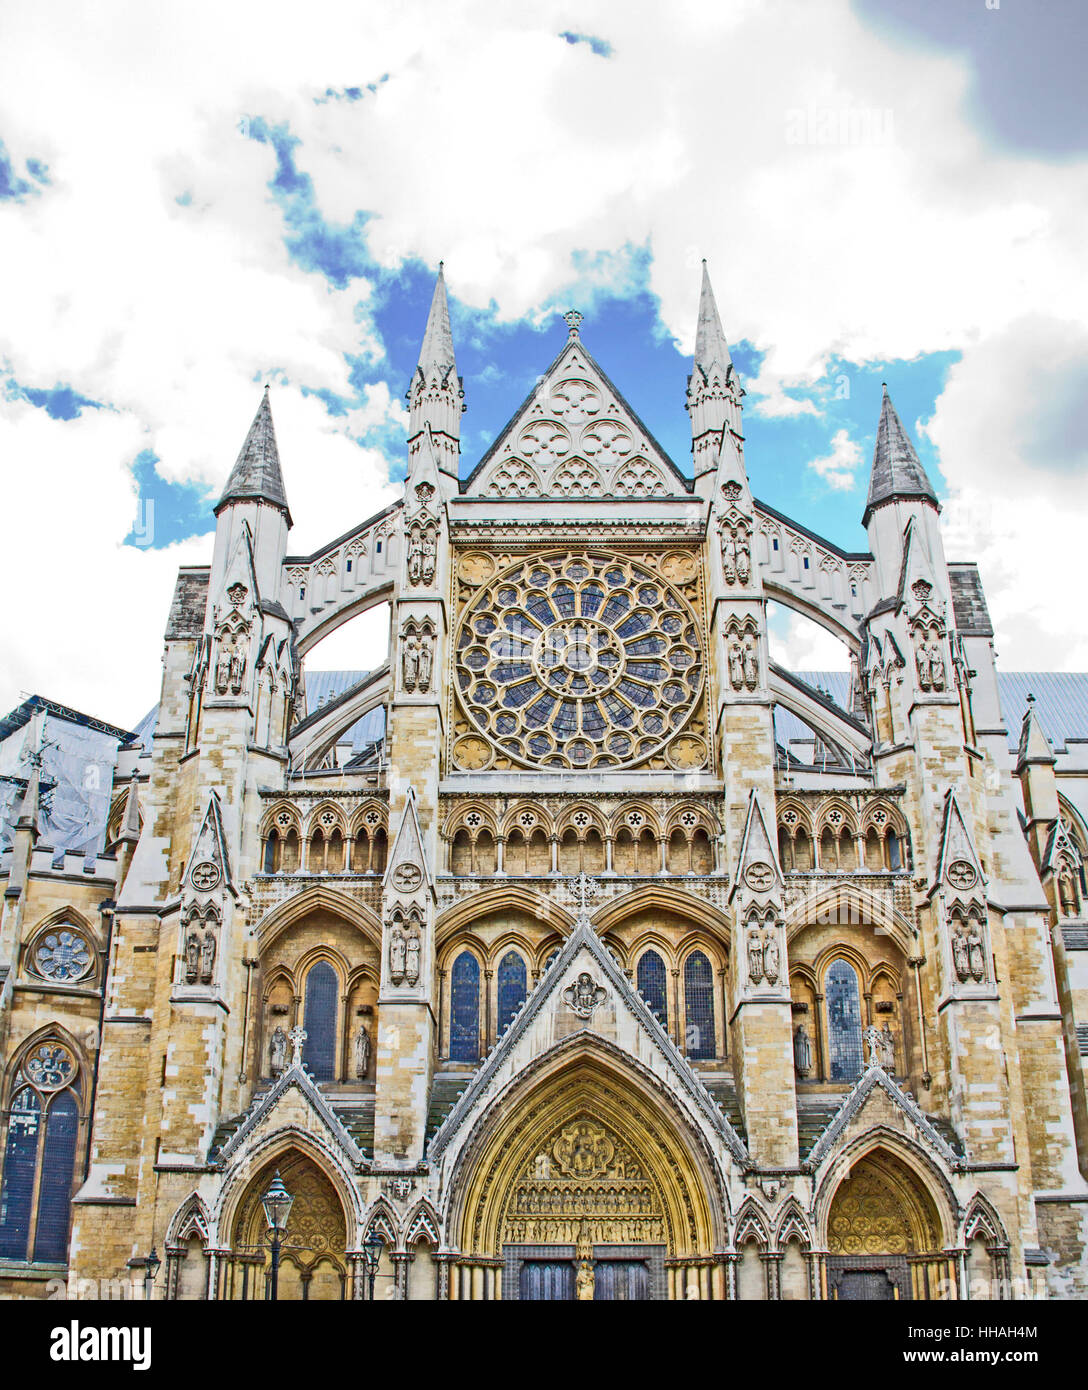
<point x="277" y="1208"/>
<point x="372" y="1253"/>
<point x="151" y="1268"/>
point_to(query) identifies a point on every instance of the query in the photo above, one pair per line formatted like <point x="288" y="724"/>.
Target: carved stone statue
<point x="770" y="956"/>
<point x="744" y="557"/>
<point x="222" y="670"/>
<point x="755" y="956"/>
<point x="729" y="548"/>
<point x="409" y="661"/>
<point x="887" y="1049"/>
<point x="192" y="957"/>
<point x="975" y="954"/>
<point x="237" y="670"/>
<point x="936" y="664"/>
<point x="959" y="954"/>
<point x="802" y="1050"/>
<point x="1067" y="893"/>
<point x="415" y="558"/>
<point x="751" y="665"/>
<point x="411" y="957"/>
<point x="872" y="1043"/>
<point x="361" y="1051"/>
<point x="429" y="552"/>
<point x="736" y="665"/>
<point x="426" y="660"/>
<point x="207" y="958"/>
<point x="584" y="1282"/>
<point x="921" y="659"/>
<point x="397" y="954"/>
<point x="277" y="1051"/>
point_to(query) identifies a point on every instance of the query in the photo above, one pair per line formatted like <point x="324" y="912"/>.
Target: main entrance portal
<point x="606" y="1276"/>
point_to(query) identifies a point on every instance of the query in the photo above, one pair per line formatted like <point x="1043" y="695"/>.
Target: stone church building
<point x="581" y="950"/>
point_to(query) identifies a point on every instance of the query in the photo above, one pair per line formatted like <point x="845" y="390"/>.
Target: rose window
<point x="579" y="661"/>
<point x="62" y="956"/>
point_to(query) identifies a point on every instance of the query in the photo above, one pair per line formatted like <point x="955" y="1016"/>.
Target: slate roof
<point x="897" y="470"/>
<point x="256" y="472"/>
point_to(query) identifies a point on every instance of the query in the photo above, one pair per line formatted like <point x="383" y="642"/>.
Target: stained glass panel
<point x="465" y="1008"/>
<point x="512" y="988"/>
<point x="844" y="1022"/>
<point x="699" y="1006"/>
<point x="319" y="1020"/>
<point x="652" y="980"/>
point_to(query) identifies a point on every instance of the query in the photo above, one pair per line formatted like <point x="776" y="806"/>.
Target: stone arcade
<point x="617" y="961"/>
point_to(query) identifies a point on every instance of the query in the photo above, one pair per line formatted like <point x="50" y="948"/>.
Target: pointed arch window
<point x="465" y="1009"/>
<point x="39" y="1157"/>
<point x="319" y="1020"/>
<point x="699" y="1006"/>
<point x="843" y="1002"/>
<point x="652" y="981"/>
<point x="512" y="988"/>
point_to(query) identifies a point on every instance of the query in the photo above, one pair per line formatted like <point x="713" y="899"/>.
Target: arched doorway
<point x="589" y="1186"/>
<point x="884" y="1235"/>
<point x="313" y="1263"/>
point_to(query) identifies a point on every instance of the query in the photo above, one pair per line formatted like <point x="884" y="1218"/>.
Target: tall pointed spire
<point x="897" y="470"/>
<point x="713" y="390"/>
<point x="256" y="475"/>
<point x="436" y="397"/>
<point x="710" y="344"/>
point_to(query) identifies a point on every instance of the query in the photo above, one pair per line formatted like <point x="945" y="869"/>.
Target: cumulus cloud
<point x="838" y="468"/>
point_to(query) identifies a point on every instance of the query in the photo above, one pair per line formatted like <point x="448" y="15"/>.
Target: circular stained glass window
<point x="50" y="1066"/>
<point x="579" y="661"/>
<point x="62" y="955"/>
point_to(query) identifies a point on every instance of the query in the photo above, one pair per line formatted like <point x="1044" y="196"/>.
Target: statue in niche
<point x="430" y="550"/>
<point x="729" y="549"/>
<point x="426" y="660"/>
<point x="975" y="954"/>
<point x="1067" y="893"/>
<point x="770" y="956"/>
<point x="192" y="958"/>
<point x="736" y="665"/>
<point x="411" y="956"/>
<point x="277" y="1051"/>
<point x="207" y="958"/>
<point x="921" y="660"/>
<point x="960" y="957"/>
<point x="361" y="1052"/>
<point x="802" y="1050"/>
<point x="755" y="956"/>
<point x="584" y="1283"/>
<point x="751" y="665"/>
<point x="415" y="558"/>
<point x="410" y="661"/>
<point x="744" y="557"/>
<point x="222" y="669"/>
<point x="871" y="1037"/>
<point x="936" y="663"/>
<point x="397" y="954"/>
<point x="237" y="669"/>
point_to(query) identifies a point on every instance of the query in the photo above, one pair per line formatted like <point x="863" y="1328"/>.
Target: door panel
<point x="551" y="1280"/>
<point x="620" y="1280"/>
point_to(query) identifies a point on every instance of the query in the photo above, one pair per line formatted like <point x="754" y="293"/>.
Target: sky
<point x="196" y="201"/>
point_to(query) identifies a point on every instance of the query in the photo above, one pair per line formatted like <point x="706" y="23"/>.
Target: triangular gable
<point x="408" y="853"/>
<point x="1059" y="843"/>
<point x="876" y="1078"/>
<point x="957" y="849"/>
<point x="583" y="945"/>
<point x="757" y="853"/>
<point x="261" y="1111"/>
<point x="210" y="846"/>
<point x="575" y="436"/>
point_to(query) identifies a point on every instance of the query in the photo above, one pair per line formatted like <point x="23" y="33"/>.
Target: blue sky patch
<point x="13" y="187"/>
<point x="167" y="512"/>
<point x="60" y="402"/>
<point x="601" y="47"/>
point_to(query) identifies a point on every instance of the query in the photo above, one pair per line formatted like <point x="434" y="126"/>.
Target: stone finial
<point x="573" y="319"/>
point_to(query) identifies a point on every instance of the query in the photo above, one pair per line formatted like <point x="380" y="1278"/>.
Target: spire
<point x="437" y="349"/>
<point x="1034" y="744"/>
<point x="710" y="344"/>
<point x="897" y="469"/>
<point x="256" y="474"/>
<point x="435" y="397"/>
<point x="713" y="393"/>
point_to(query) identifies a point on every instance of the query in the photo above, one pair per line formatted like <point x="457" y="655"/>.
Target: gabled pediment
<point x="584" y="994"/>
<point x="576" y="438"/>
<point x="877" y="1101"/>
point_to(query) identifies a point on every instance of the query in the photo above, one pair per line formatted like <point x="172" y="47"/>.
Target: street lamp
<point x="277" y="1208"/>
<point x="372" y="1253"/>
<point x="151" y="1268"/>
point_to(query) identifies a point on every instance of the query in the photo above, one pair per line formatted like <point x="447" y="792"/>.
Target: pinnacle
<point x="897" y="470"/>
<point x="710" y="343"/>
<point x="256" y="472"/>
<point x="437" y="349"/>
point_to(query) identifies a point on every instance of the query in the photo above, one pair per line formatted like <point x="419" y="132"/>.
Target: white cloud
<point x="879" y="228"/>
<point x="799" y="644"/>
<point x="837" y="468"/>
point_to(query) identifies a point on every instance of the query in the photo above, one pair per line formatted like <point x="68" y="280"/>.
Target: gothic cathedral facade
<point x="578" y="979"/>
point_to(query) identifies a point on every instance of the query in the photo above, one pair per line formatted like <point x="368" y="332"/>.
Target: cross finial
<point x="297" y="1036"/>
<point x="573" y="319"/>
<point x="585" y="890"/>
